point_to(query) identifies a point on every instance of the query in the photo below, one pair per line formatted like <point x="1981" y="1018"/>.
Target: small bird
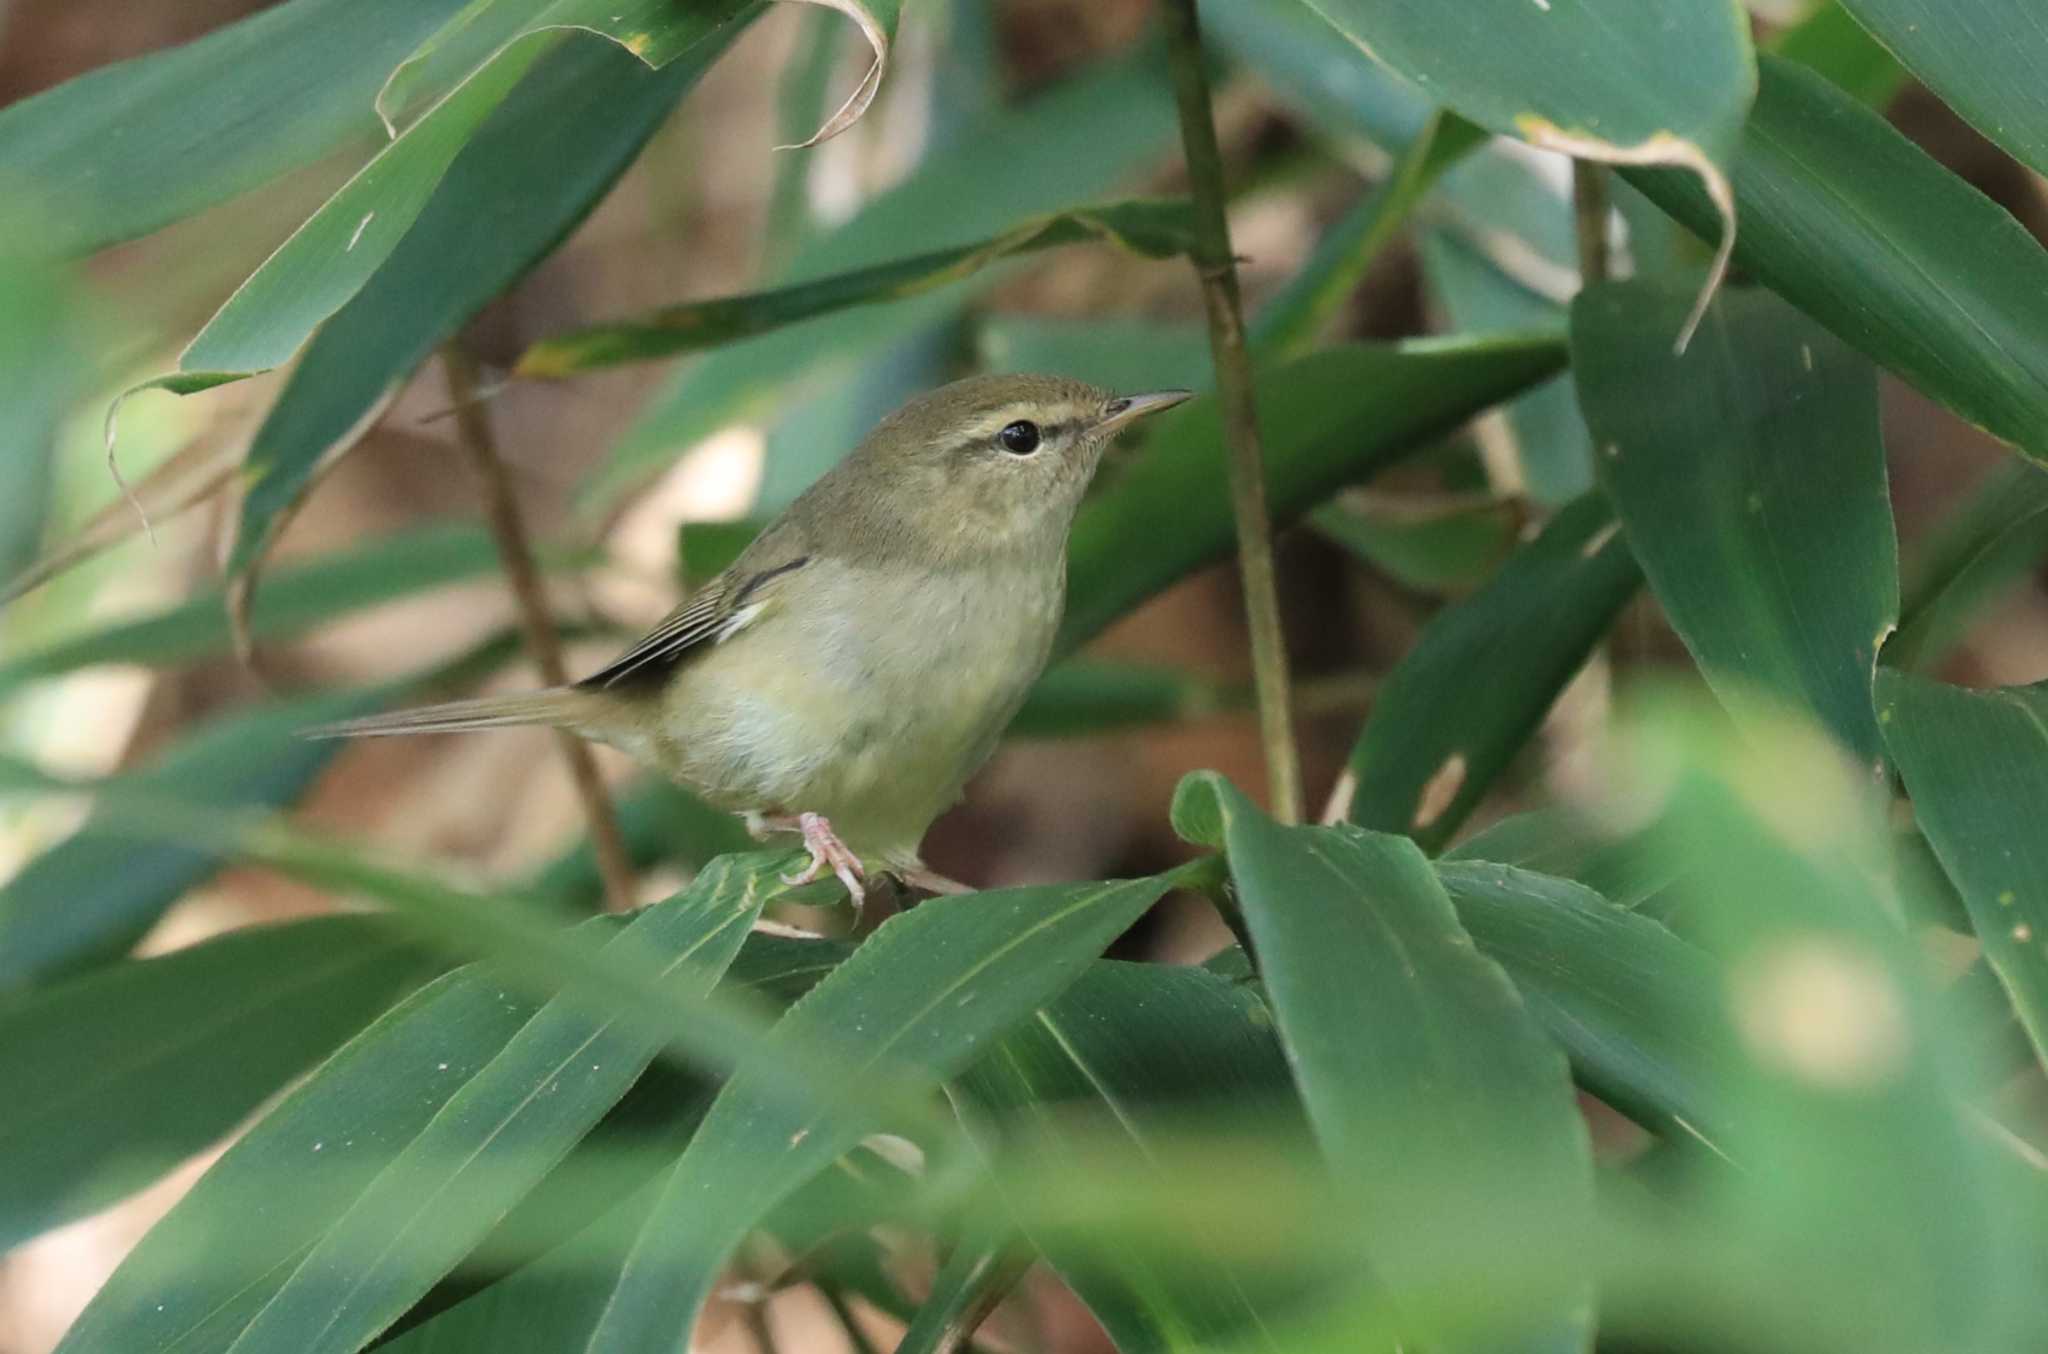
<point x="857" y="663"/>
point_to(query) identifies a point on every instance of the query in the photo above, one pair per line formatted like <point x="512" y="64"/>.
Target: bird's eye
<point x="1019" y="438"/>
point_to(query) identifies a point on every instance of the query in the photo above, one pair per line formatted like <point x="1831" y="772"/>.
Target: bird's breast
<point x="870" y="696"/>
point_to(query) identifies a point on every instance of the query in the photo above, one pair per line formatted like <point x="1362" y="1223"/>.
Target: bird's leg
<point x="827" y="851"/>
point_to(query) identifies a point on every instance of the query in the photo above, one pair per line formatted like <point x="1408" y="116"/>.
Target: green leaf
<point x="1850" y="1098"/>
<point x="294" y="601"/>
<point x="534" y="168"/>
<point x="1329" y="419"/>
<point x="129" y="1070"/>
<point x="1478" y="682"/>
<point x="1117" y="352"/>
<point x="984" y="1264"/>
<point x="1312" y="67"/>
<point x="1392" y="1022"/>
<point x="662" y="823"/>
<point x="1081" y="697"/>
<point x="90" y="897"/>
<point x="1442" y="544"/>
<point x="1559" y="841"/>
<point x="264" y="1204"/>
<point x="1976" y="764"/>
<point x="1635" y="1007"/>
<point x="1289" y="324"/>
<point x="1982" y="57"/>
<point x="1832" y="45"/>
<point x="1552" y="448"/>
<point x="1152" y="230"/>
<point x="44" y="372"/>
<point x="1970" y="560"/>
<point x="1075" y="142"/>
<point x="587" y="1209"/>
<point x="503" y="1131"/>
<point x="1126" y="1055"/>
<point x="1607" y="80"/>
<point x="920" y="999"/>
<point x="122" y="150"/>
<point x="330" y="257"/>
<point x="1749" y="476"/>
<point x="1854" y="224"/>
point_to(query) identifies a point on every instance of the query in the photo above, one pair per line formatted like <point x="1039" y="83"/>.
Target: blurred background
<point x="709" y="209"/>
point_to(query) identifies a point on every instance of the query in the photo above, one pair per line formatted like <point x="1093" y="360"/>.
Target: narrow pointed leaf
<point x="296" y="599"/>
<point x="503" y="1131"/>
<point x="1148" y="229"/>
<point x="1457" y="709"/>
<point x="921" y="998"/>
<point x="127" y="1071"/>
<point x="339" y="248"/>
<point x="1982" y="57"/>
<point x="1598" y="79"/>
<point x="90" y="897"/>
<point x="1749" y="476"/>
<point x="535" y="167"/>
<point x="1972" y="558"/>
<point x="1077" y="141"/>
<point x="1129" y="1052"/>
<point x="1393" y="1022"/>
<point x="1316" y="69"/>
<point x="1976" y="764"/>
<point x="1834" y="46"/>
<point x="1330" y="419"/>
<point x="265" y="1203"/>
<point x="1860" y="228"/>
<point x="122" y="150"/>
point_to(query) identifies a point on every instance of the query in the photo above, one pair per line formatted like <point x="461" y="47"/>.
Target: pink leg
<point x="828" y="851"/>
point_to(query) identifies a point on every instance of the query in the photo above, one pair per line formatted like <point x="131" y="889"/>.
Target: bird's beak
<point x="1129" y="409"/>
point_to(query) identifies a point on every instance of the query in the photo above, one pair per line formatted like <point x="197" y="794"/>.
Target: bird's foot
<point x="828" y="852"/>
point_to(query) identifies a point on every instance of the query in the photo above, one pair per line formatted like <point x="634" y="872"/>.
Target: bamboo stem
<point x="1216" y="266"/>
<point x="515" y="551"/>
<point x="1590" y="212"/>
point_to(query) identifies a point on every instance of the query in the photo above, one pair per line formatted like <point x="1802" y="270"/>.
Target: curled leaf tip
<point x="877" y="34"/>
<point x="1663" y="149"/>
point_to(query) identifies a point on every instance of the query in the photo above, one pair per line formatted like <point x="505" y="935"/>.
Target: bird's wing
<point x="724" y="607"/>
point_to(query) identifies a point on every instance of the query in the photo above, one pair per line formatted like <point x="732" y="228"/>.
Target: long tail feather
<point x="555" y="707"/>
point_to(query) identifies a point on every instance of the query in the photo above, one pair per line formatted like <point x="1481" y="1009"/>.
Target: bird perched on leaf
<point x="859" y="660"/>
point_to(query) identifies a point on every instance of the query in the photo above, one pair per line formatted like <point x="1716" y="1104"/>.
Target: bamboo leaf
<point x="1333" y="418"/>
<point x="1749" y="476"/>
<point x="268" y="1200"/>
<point x="502" y="1131"/>
<point x="1971" y="559"/>
<point x="123" y="150"/>
<point x="1983" y="57"/>
<point x="1976" y="764"/>
<point x="1391" y="1019"/>
<point x="329" y="259"/>
<point x="1074" y="142"/>
<point x="534" y="168"/>
<point x="1605" y="80"/>
<point x="1852" y="223"/>
<point x="90" y="897"/>
<point x="1152" y="230"/>
<point x="1478" y="682"/>
<point x="1124" y="1056"/>
<point x="921" y="998"/>
<point x="130" y="1069"/>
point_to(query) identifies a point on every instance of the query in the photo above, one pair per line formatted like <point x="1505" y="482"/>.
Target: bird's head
<point x="991" y="464"/>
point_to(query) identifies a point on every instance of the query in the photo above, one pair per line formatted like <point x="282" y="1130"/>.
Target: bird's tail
<point x="558" y="708"/>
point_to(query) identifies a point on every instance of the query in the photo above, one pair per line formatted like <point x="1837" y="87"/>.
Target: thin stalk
<point x="515" y="551"/>
<point x="1216" y="266"/>
<point x="848" y="1321"/>
<point x="1590" y="213"/>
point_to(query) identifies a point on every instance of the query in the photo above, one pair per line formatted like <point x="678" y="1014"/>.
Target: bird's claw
<point x="827" y="851"/>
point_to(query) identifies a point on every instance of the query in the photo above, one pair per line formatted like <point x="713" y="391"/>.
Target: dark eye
<point x="1020" y="437"/>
